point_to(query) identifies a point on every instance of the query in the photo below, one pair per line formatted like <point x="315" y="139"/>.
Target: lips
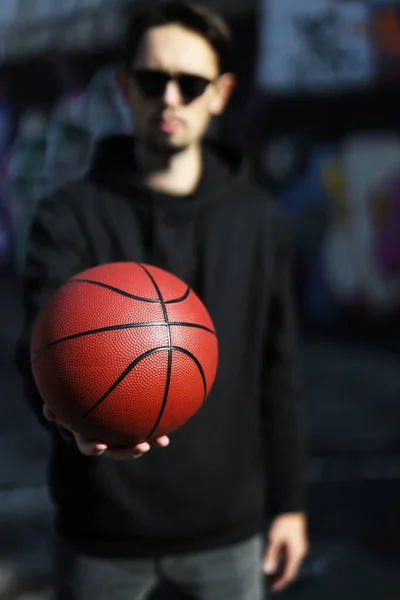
<point x="170" y="125"/>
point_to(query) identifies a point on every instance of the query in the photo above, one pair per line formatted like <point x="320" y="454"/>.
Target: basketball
<point x="124" y="353"/>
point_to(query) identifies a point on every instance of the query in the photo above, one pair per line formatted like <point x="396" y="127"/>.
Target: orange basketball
<point x="124" y="353"/>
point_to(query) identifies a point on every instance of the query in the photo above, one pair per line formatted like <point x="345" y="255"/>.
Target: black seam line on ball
<point x="124" y="374"/>
<point x="169" y="344"/>
<point x="127" y="295"/>
<point x="135" y="362"/>
<point x="120" y="327"/>
<point x="181" y="299"/>
<point x="197" y="363"/>
<point x="115" y="290"/>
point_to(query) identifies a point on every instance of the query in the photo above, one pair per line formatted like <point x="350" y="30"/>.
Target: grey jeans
<point x="231" y="573"/>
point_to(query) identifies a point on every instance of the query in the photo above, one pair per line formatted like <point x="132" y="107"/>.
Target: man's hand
<point x="97" y="448"/>
<point x="286" y="550"/>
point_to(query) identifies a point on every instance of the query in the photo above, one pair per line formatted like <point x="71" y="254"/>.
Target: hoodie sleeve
<point x="284" y="419"/>
<point x="56" y="251"/>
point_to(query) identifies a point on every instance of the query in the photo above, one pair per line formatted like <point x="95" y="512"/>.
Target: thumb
<point x="271" y="558"/>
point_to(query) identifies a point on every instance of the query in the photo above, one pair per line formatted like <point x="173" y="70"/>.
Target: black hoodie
<point x="230" y="243"/>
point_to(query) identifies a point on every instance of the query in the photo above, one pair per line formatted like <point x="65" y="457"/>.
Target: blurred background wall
<point x="317" y="116"/>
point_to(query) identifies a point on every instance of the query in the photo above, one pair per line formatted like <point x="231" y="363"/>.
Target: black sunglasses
<point x="152" y="83"/>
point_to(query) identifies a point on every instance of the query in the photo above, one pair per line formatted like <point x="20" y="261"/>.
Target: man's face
<point x="171" y="111"/>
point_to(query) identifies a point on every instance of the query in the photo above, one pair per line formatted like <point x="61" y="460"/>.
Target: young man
<point x="195" y="508"/>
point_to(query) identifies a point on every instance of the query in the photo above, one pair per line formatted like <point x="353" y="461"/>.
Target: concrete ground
<point x="353" y="407"/>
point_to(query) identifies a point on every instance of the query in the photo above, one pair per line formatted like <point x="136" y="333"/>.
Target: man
<point x="195" y="508"/>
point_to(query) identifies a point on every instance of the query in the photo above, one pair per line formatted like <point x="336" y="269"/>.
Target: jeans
<point x="231" y="573"/>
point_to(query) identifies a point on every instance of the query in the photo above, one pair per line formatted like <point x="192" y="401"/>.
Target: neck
<point x="178" y="174"/>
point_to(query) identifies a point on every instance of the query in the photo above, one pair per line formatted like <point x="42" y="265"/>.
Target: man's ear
<point x="224" y="90"/>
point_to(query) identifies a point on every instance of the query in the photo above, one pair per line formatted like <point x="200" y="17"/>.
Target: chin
<point x="167" y="146"/>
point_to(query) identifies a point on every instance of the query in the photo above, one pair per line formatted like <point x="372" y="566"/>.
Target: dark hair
<point x="194" y="17"/>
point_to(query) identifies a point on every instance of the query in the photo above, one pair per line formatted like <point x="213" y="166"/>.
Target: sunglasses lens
<point x="151" y="83"/>
<point x="192" y="86"/>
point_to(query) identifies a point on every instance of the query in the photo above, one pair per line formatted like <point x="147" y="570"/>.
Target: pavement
<point x="352" y="400"/>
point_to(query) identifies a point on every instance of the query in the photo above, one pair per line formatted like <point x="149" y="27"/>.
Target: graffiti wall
<point x="345" y="211"/>
<point x="47" y="136"/>
<point x="328" y="45"/>
<point x="314" y="45"/>
<point x="327" y="145"/>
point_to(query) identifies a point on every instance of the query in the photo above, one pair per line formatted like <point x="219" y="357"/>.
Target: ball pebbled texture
<point x="124" y="352"/>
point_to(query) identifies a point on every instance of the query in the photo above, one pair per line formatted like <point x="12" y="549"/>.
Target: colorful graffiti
<point x="346" y="215"/>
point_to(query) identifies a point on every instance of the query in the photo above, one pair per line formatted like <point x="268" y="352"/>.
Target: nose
<point x="172" y="95"/>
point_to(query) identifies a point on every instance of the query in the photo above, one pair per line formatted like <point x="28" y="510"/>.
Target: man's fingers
<point x="94" y="448"/>
<point x="290" y="572"/>
<point x="128" y="453"/>
<point x="272" y="558"/>
<point x="136" y="451"/>
<point x="90" y="448"/>
<point x="287" y="548"/>
<point x="140" y="449"/>
<point x="163" y="441"/>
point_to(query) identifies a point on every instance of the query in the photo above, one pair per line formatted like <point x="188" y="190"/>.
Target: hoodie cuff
<point x="285" y="499"/>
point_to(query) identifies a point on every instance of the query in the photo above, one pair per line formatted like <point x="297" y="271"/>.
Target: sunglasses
<point x="152" y="83"/>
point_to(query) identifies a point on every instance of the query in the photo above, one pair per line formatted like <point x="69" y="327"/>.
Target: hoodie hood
<point x="114" y="167"/>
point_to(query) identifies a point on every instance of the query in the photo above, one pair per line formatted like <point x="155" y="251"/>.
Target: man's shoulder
<point x="257" y="202"/>
<point x="239" y="182"/>
<point x="73" y="196"/>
